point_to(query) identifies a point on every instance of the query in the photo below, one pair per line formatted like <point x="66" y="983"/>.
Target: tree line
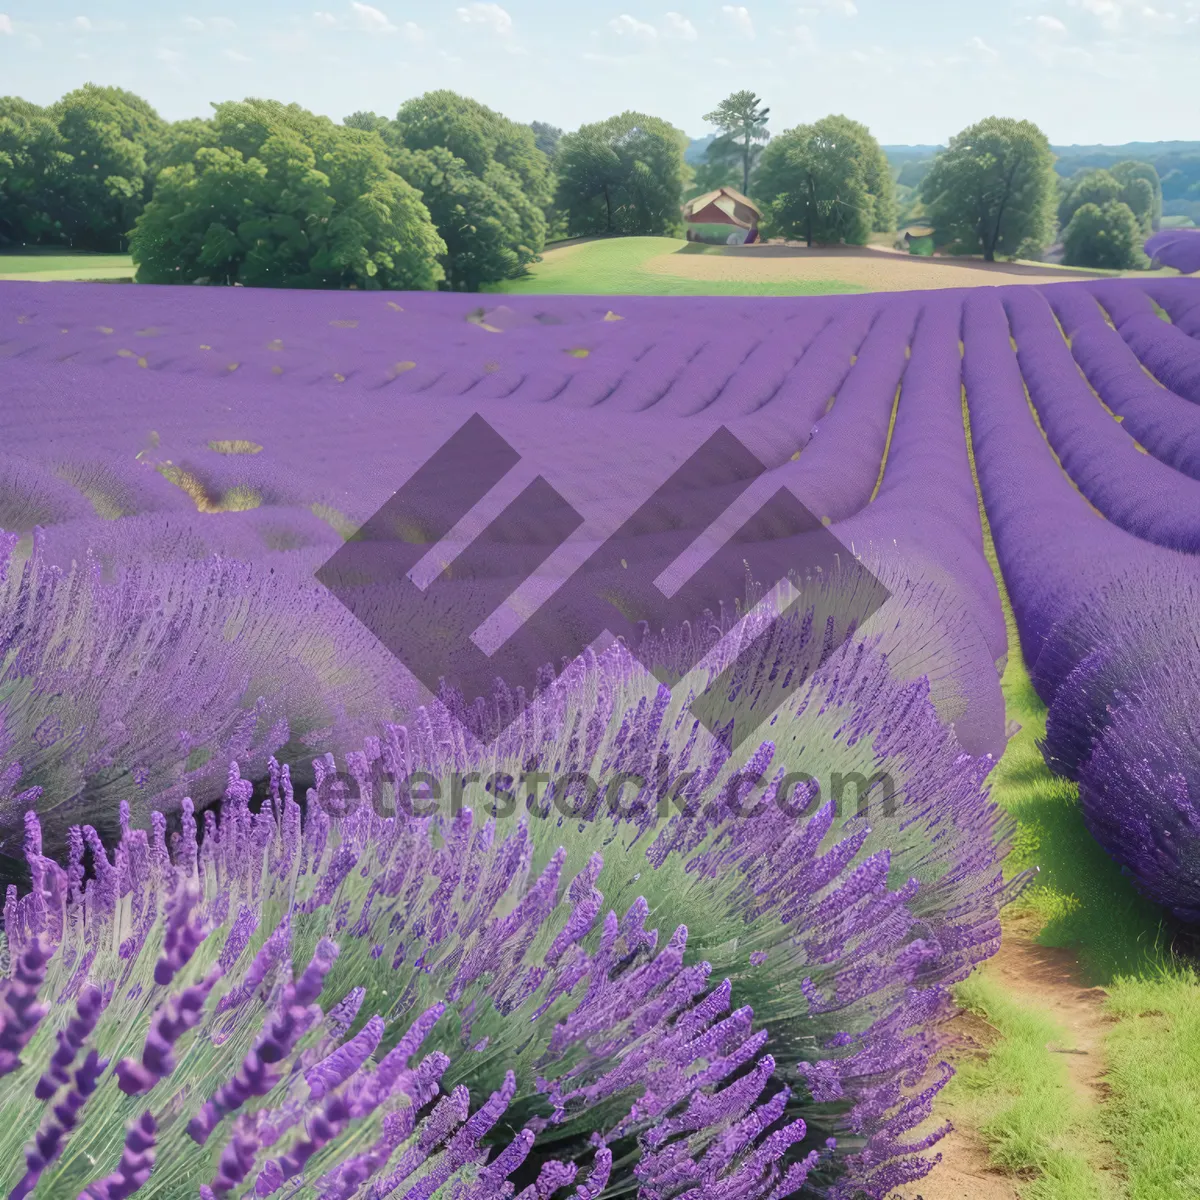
<point x="451" y="194"/>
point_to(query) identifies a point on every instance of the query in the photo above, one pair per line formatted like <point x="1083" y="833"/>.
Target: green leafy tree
<point x="514" y="183"/>
<point x="368" y="121"/>
<point x="876" y="173"/>
<point x="1138" y="194"/>
<point x="179" y="144"/>
<point x="478" y="219"/>
<point x="1094" y="186"/>
<point x="476" y="134"/>
<point x="284" y="198"/>
<point x="812" y="181"/>
<point x="1127" y="173"/>
<point x="742" y="120"/>
<point x="709" y="176"/>
<point x="33" y="166"/>
<point x="112" y="137"/>
<point x="546" y="138"/>
<point x="1108" y="236"/>
<point x="623" y="175"/>
<point x="993" y="190"/>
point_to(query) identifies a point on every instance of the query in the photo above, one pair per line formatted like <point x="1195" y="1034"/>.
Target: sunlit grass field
<point x="48" y="264"/>
<point x="625" y="265"/>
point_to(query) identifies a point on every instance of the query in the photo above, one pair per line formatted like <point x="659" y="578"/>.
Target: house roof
<point x="728" y="201"/>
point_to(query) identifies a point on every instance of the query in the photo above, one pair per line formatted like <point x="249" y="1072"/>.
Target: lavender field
<point x="221" y="984"/>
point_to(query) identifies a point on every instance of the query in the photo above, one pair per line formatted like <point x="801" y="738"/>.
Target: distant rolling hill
<point x="1073" y="158"/>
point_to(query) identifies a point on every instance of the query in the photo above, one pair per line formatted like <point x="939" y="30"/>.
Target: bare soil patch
<point x="1050" y="979"/>
<point x="873" y="267"/>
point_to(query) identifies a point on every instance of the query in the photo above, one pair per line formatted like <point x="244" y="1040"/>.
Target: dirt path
<point x="1048" y="979"/>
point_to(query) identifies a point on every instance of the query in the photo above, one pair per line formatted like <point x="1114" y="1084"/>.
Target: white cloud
<point x="627" y="26"/>
<point x="801" y="41"/>
<point x="326" y="19"/>
<point x="1107" y="12"/>
<point x="370" y="19"/>
<point x="236" y="56"/>
<point x="674" y="26"/>
<point x="82" y="24"/>
<point x="215" y="24"/>
<point x="490" y="15"/>
<point x="981" y="47"/>
<point x="847" y="8"/>
<point x="1049" y="24"/>
<point x="677" y="25"/>
<point x="739" y="16"/>
<point x="165" y="54"/>
<point x="1115" y="15"/>
<point x="5" y="23"/>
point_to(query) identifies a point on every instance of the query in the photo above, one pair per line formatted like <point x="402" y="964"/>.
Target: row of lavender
<point x="163" y="971"/>
<point x="1096" y="521"/>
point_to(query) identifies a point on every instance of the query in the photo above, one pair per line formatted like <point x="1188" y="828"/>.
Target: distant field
<point x="655" y="266"/>
<point x="670" y="266"/>
<point x="46" y="265"/>
<point x="635" y="265"/>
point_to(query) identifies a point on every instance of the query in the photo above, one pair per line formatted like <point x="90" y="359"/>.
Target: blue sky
<point x="915" y="72"/>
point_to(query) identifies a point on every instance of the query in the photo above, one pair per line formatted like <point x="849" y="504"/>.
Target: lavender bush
<point x="161" y="970"/>
<point x="1180" y="299"/>
<point x="1178" y="248"/>
<point x="1166" y="425"/>
<point x="1099" y="612"/>
<point x="1131" y="489"/>
<point x="1170" y="355"/>
<point x="145" y="688"/>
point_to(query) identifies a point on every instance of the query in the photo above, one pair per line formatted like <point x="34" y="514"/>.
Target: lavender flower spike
<point x="333" y="1071"/>
<point x="20" y="1012"/>
<point x="179" y="1014"/>
<point x="48" y="1143"/>
<point x="297" y="1012"/>
<point x="135" y="1166"/>
<point x="183" y="936"/>
<point x="70" y="1040"/>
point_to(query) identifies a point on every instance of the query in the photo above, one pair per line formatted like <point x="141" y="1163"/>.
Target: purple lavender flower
<point x="70" y="1040"/>
<point x="20" y="1011"/>
<point x="176" y="1015"/>
<point x="48" y="1144"/>
<point x="89" y="724"/>
<point x="335" y="978"/>
<point x="137" y="1161"/>
<point x="541" y="958"/>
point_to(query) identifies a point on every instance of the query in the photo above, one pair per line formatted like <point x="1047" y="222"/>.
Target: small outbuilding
<point x="919" y="239"/>
<point x="724" y="217"/>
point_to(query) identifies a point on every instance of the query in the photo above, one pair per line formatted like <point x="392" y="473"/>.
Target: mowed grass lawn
<point x="44" y="265"/>
<point x="634" y="266"/>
